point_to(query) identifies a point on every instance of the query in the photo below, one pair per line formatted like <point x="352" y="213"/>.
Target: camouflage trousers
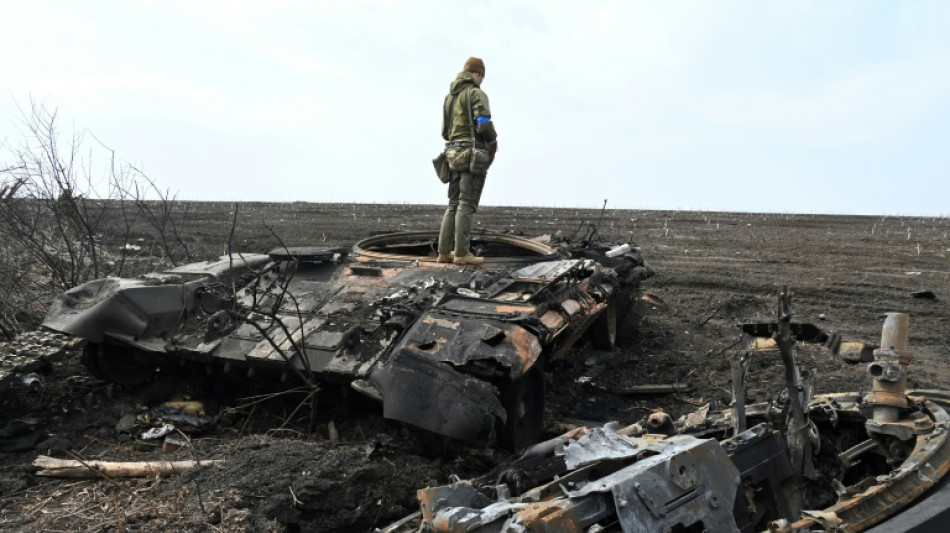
<point x="465" y="190"/>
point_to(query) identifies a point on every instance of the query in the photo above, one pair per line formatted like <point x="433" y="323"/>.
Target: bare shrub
<point x="69" y="212"/>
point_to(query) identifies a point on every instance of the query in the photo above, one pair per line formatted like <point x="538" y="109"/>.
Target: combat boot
<point x="468" y="259"/>
<point x="445" y="258"/>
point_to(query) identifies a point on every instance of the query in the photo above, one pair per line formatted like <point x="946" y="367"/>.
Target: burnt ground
<point x="281" y="471"/>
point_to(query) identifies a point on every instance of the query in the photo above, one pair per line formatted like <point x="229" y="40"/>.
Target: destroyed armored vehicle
<point x="830" y="462"/>
<point x="455" y="350"/>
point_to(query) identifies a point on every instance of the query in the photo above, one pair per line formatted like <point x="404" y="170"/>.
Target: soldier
<point x="470" y="149"/>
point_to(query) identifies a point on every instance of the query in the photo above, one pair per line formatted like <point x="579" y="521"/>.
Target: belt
<point x="465" y="144"/>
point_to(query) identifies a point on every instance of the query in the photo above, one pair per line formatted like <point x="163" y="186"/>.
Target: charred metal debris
<point x="827" y="462"/>
<point x="455" y="351"/>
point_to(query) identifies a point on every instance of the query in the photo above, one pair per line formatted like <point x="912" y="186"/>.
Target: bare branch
<point x="66" y="218"/>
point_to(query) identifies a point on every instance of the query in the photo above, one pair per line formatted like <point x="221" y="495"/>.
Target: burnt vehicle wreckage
<point x="455" y="351"/>
<point x="460" y="352"/>
<point x="827" y="462"/>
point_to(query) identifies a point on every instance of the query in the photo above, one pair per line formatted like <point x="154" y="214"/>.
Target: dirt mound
<point x="318" y="486"/>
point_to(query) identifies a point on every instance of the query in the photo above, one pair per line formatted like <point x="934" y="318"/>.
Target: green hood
<point x="463" y="81"/>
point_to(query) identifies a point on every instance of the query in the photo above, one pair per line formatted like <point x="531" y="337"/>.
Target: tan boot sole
<point x="469" y="260"/>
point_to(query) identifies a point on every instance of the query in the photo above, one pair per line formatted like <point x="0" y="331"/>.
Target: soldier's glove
<point x="492" y="148"/>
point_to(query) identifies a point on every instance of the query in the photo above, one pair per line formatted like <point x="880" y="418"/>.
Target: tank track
<point x="32" y="350"/>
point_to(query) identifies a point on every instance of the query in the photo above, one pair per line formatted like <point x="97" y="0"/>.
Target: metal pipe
<point x="894" y="331"/>
<point x="888" y="372"/>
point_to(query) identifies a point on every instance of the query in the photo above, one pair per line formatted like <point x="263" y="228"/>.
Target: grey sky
<point x="815" y="107"/>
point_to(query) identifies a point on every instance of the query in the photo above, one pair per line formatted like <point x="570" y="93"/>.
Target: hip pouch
<point x="481" y="160"/>
<point x="459" y="157"/>
<point x="442" y="170"/>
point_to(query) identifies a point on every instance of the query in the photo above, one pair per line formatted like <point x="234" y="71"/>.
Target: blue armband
<point x="481" y="119"/>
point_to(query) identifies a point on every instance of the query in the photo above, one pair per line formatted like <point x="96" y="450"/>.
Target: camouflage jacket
<point x="459" y="91"/>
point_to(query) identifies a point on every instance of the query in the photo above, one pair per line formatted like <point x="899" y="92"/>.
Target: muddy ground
<point x="714" y="271"/>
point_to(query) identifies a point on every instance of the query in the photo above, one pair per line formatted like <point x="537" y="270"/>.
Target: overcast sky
<point x="811" y="107"/>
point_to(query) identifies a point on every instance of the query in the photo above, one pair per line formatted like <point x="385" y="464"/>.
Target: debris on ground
<point x="926" y="295"/>
<point x="283" y="474"/>
<point x="841" y="461"/>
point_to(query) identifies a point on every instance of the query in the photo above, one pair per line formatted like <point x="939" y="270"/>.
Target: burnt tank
<point x="458" y="351"/>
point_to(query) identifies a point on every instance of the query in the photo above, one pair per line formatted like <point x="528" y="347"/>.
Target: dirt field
<point x="715" y="270"/>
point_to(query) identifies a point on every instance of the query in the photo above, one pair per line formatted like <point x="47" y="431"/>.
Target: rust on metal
<point x="436" y="344"/>
<point x="550" y="516"/>
<point x="526" y="345"/>
<point x="397" y="247"/>
<point x="450" y="324"/>
<point x="553" y="320"/>
<point x="884" y="396"/>
<point x="927" y="463"/>
<point x="513" y="308"/>
<point x="427" y="499"/>
<point x="660" y="475"/>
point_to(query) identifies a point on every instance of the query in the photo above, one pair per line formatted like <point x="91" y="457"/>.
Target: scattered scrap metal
<point x="837" y="462"/>
<point x="760" y="337"/>
<point x="170" y="421"/>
